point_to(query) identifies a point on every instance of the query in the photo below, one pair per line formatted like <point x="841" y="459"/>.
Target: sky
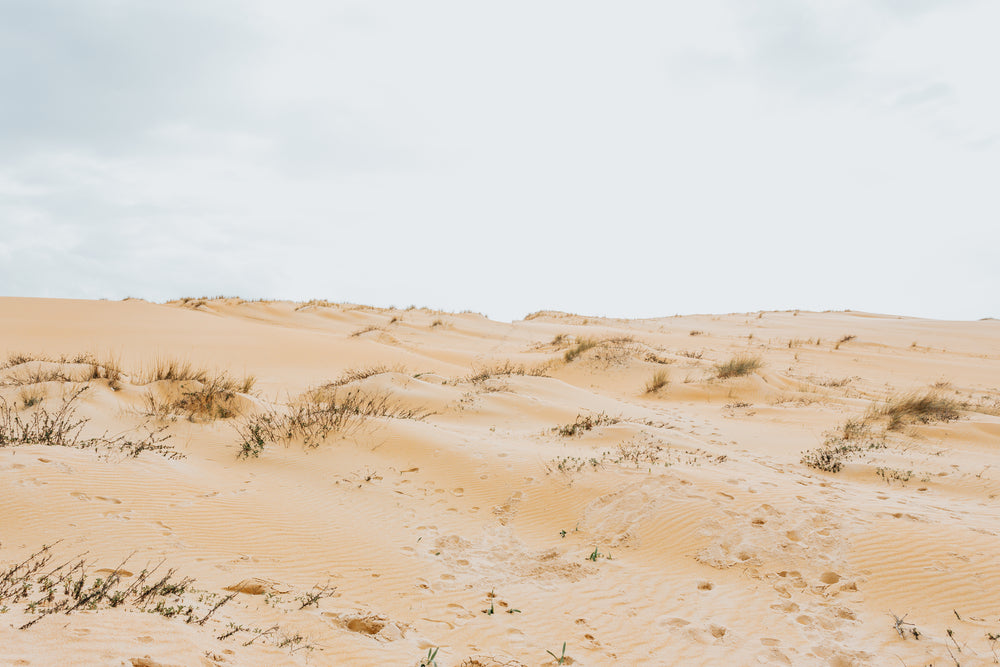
<point x="628" y="159"/>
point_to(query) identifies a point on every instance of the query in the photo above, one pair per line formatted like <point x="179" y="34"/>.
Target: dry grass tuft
<point x="358" y="374"/>
<point x="505" y="369"/>
<point x="173" y="370"/>
<point x="660" y="379"/>
<point x="846" y="339"/>
<point x="738" y="366"/>
<point x="916" y="407"/>
<point x="582" y="346"/>
<point x="31" y="396"/>
<point x="363" y="330"/>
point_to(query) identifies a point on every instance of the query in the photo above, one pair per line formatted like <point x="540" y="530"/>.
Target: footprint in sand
<point x="80" y="495"/>
<point x="113" y="501"/>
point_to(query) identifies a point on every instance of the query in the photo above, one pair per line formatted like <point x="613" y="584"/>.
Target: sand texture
<point x="364" y="486"/>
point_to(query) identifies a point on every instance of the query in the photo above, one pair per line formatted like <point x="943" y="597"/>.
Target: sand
<point x="681" y="528"/>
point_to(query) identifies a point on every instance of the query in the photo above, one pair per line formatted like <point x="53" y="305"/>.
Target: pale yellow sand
<point x="718" y="546"/>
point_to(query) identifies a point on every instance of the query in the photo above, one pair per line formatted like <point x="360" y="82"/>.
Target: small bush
<point x="660" y="379"/>
<point x="175" y="370"/>
<point x="738" y="366"/>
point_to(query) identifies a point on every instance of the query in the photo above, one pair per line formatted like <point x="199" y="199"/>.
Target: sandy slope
<point x="714" y="543"/>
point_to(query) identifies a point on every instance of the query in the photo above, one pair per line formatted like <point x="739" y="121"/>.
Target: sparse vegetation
<point x="213" y="397"/>
<point x="738" y="366"/>
<point x="585" y="423"/>
<point x="505" y="368"/>
<point x="61" y="428"/>
<point x="845" y="339"/>
<point x="854" y="437"/>
<point x="173" y="370"/>
<point x="916" y="407"/>
<point x="318" y="414"/>
<point x="31" y="396"/>
<point x="581" y="346"/>
<point x="358" y="374"/>
<point x="363" y="330"/>
<point x="660" y="379"/>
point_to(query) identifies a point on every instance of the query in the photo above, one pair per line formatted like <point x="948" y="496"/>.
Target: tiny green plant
<point x="430" y="660"/>
<point x="561" y="658"/>
<point x="594" y="555"/>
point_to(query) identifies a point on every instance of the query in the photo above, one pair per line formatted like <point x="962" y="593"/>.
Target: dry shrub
<point x="61" y="428"/>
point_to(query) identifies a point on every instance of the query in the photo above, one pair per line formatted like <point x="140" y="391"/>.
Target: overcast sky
<point x="628" y="158"/>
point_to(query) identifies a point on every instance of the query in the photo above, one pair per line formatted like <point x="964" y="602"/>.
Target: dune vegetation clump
<point x="582" y="346"/>
<point x="318" y="414"/>
<point x="585" y="423"/>
<point x="660" y="379"/>
<point x="924" y="407"/>
<point x="851" y="439"/>
<point x="738" y="366"/>
<point x="207" y="398"/>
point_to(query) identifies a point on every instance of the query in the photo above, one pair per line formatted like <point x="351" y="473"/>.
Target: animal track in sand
<point x="377" y="626"/>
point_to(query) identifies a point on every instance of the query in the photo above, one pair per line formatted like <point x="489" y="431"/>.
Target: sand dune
<point x="368" y="486"/>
